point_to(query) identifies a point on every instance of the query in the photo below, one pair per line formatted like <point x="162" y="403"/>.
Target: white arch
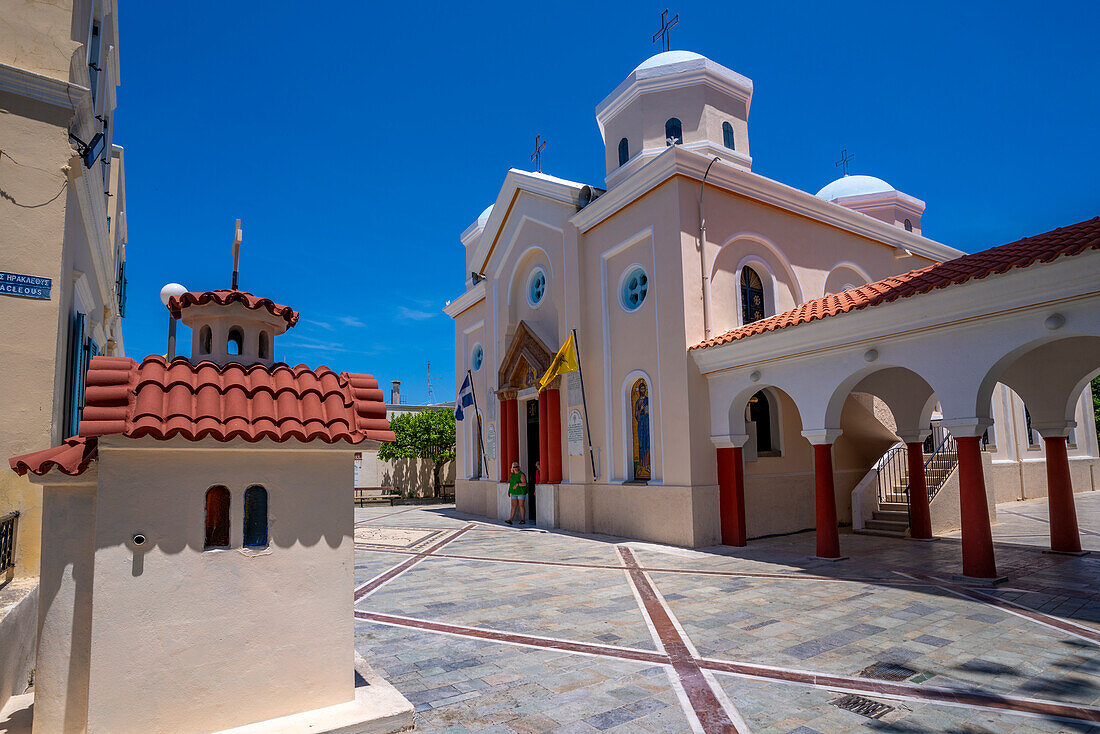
<point x="851" y="266"/>
<point x="770" y="288"/>
<point x="784" y="262"/>
<point x="627" y="426"/>
<point x="523" y="258"/>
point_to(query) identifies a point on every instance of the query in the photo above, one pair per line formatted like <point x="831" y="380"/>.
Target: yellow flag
<point x="564" y="361"/>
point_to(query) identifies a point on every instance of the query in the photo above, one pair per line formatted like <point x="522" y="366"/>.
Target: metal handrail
<point x="7" y="540"/>
<point x="893" y="467"/>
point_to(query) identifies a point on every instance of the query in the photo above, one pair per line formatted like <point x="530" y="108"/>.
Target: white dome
<point x="668" y="58"/>
<point x="484" y="216"/>
<point x="854" y="186"/>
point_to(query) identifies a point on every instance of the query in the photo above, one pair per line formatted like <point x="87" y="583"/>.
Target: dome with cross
<point x="855" y="185"/>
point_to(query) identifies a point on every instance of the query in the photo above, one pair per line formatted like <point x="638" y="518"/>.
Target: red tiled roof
<point x="1071" y="240"/>
<point x="164" y="399"/>
<point x="176" y="304"/>
<point x="72" y="457"/>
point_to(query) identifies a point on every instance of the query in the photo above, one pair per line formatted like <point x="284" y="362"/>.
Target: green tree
<point x="428" y="434"/>
<point x="1096" y="404"/>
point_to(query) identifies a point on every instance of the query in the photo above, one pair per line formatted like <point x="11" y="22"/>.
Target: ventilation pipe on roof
<point x="703" y="253"/>
<point x="395" y="392"/>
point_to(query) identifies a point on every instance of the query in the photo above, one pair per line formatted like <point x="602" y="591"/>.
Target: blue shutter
<point x="77" y="366"/>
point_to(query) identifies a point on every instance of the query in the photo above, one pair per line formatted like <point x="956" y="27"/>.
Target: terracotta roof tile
<point x="177" y="303"/>
<point x="165" y="399"/>
<point x="1071" y="240"/>
<point x="72" y="457"/>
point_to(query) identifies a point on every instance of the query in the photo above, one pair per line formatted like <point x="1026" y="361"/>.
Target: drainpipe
<point x="703" y="254"/>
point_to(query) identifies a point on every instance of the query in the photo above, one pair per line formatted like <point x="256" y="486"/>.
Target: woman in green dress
<point x="517" y="492"/>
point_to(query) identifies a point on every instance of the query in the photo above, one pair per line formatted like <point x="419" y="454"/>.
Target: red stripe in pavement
<point x="546" y="643"/>
<point x="1062" y="625"/>
<point x="908" y="691"/>
<point x="712" y="716"/>
<point x="384" y="578"/>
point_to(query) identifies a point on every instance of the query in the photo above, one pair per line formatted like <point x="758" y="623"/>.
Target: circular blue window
<point x="477" y="357"/>
<point x="634" y="289"/>
<point x="536" y="287"/>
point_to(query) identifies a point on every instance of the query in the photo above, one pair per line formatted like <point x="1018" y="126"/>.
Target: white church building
<point x="758" y="359"/>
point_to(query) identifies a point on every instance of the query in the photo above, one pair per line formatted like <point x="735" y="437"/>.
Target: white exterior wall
<point x="178" y="639"/>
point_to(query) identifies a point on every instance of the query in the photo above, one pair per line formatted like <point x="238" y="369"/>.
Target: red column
<point x="828" y="539"/>
<point x="977" y="538"/>
<point x="731" y="495"/>
<point x="552" y="463"/>
<point x="544" y="440"/>
<point x="509" y="438"/>
<point x="1064" y="536"/>
<point x="920" y="519"/>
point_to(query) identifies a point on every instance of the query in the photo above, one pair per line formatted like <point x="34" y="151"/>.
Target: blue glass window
<point x="477" y="357"/>
<point x="635" y="288"/>
<point x="727" y="135"/>
<point x="624" y="151"/>
<point x="255" y="516"/>
<point x="536" y="287"/>
<point x="674" y="132"/>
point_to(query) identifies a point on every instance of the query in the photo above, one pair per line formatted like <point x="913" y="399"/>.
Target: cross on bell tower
<point x="537" y="155"/>
<point x="666" y="25"/>
<point x="843" y="162"/>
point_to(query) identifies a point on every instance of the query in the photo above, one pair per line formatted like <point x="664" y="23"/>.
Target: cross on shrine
<point x="537" y="155"/>
<point x="843" y="162"/>
<point x="238" y="235"/>
<point x="666" y="24"/>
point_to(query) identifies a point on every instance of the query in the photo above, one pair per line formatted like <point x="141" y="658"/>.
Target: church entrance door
<point x="532" y="454"/>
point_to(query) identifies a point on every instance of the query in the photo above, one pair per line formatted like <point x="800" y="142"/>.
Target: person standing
<point x="517" y="492"/>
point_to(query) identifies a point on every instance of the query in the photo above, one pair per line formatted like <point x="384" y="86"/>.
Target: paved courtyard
<point x="491" y="628"/>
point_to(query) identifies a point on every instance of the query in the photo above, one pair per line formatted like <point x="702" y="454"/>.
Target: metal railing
<point x="893" y="467"/>
<point x="7" y="540"/>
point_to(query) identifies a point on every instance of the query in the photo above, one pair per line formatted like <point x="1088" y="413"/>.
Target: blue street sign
<point x="28" y="286"/>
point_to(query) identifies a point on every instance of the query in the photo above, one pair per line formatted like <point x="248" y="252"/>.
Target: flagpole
<point x="584" y="404"/>
<point x="477" y="414"/>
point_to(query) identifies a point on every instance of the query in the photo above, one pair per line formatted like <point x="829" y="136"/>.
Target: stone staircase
<point x="891" y="518"/>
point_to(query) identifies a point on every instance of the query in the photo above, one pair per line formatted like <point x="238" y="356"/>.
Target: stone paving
<point x="491" y="628"/>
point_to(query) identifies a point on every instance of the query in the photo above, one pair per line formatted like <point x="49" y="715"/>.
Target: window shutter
<point x="77" y="366"/>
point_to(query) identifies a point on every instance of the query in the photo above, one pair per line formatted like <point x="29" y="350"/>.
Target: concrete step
<point x="894" y="507"/>
<point x="887" y="525"/>
<point x="894" y="515"/>
<point x="881" y="533"/>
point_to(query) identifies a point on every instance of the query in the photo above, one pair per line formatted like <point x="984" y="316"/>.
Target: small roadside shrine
<point x="197" y="564"/>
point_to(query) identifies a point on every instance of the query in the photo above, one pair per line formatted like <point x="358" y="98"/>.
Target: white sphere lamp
<point x="166" y="294"/>
<point x="171" y="289"/>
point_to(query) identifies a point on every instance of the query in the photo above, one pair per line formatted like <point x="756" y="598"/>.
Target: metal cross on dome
<point x="844" y="158"/>
<point x="666" y="24"/>
<point x="537" y="155"/>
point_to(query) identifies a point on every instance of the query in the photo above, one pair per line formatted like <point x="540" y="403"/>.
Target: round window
<point x="477" y="357"/>
<point x="536" y="287"/>
<point x="634" y="289"/>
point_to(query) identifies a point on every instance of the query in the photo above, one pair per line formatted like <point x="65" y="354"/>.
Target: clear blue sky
<point x="357" y="142"/>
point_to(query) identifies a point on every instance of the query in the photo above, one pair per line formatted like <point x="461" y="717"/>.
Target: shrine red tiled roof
<point x="164" y="399"/>
<point x="1070" y="240"/>
<point x="176" y="304"/>
<point x="72" y="457"/>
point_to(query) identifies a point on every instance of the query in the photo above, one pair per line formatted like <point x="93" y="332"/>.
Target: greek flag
<point x="465" y="397"/>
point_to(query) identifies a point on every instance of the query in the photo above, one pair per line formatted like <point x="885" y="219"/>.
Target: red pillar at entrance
<point x="731" y="495"/>
<point x="552" y="462"/>
<point x="920" y="519"/>
<point x="828" y="539"/>
<point x="544" y="435"/>
<point x="1064" y="535"/>
<point x="509" y="438"/>
<point x="977" y="537"/>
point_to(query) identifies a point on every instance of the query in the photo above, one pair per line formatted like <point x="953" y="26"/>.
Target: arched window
<point x="255" y="516"/>
<point x="727" y="135"/>
<point x="760" y="411"/>
<point x="217" y="517"/>
<point x="205" y="340"/>
<point x="235" y="344"/>
<point x="752" y="296"/>
<point x="639" y="422"/>
<point x="624" y="151"/>
<point x="674" y="132"/>
<point x="908" y="226"/>
<point x="264" y="345"/>
<point x="1032" y="441"/>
